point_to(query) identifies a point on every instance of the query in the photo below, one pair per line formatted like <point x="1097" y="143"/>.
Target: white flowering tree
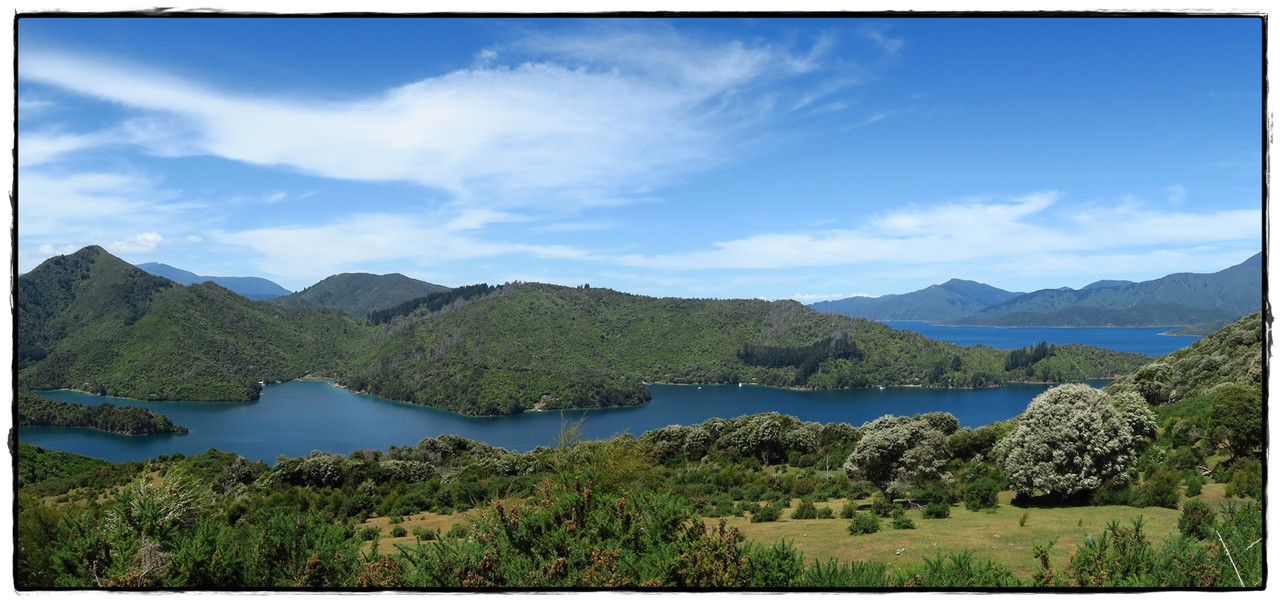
<point x="898" y="453"/>
<point x="1072" y="439"/>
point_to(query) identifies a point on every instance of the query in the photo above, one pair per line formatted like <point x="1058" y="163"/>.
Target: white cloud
<point x="606" y="113"/>
<point x="983" y="231"/>
<point x="142" y="243"/>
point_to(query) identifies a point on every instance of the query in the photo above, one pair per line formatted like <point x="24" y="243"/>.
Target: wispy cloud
<point x="980" y="230"/>
<point x="600" y="115"/>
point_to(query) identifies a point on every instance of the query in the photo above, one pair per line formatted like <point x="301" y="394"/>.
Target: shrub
<point x="1196" y="520"/>
<point x="398" y="531"/>
<point x="981" y="494"/>
<point x="458" y="530"/>
<point x="1195" y="483"/>
<point x="826" y="512"/>
<point x="1161" y="489"/>
<point x="767" y="514"/>
<point x="880" y="506"/>
<point x="848" y="510"/>
<point x="805" y="510"/>
<point x="902" y="521"/>
<point x="863" y="523"/>
<point x="1022" y="521"/>
<point x="937" y="510"/>
<point x="425" y="534"/>
<point x="1246" y="479"/>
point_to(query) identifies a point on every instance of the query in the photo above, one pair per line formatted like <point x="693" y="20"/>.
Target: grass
<point x="989" y="534"/>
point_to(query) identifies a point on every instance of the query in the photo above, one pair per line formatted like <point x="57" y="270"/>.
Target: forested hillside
<point x="112" y="329"/>
<point x="1231" y="356"/>
<point x="198" y="343"/>
<point x="559" y="345"/>
<point x="359" y="294"/>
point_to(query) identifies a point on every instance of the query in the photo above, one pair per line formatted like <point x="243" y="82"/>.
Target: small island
<point x="34" y="410"/>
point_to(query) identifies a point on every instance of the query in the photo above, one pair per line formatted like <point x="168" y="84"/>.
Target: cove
<point x="294" y="418"/>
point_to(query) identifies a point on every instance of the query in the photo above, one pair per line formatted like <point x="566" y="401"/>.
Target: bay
<point x="1136" y="340"/>
<point x="294" y="418"/>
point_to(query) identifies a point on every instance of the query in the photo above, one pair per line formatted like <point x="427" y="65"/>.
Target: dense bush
<point x="864" y="523"/>
<point x="805" y="510"/>
<point x="936" y="510"/>
<point x="981" y="494"/>
<point x="1196" y="519"/>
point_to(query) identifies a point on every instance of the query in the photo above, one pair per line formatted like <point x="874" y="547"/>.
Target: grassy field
<point x="989" y="534"/>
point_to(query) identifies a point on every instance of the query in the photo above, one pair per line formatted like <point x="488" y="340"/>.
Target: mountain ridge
<point x="250" y="287"/>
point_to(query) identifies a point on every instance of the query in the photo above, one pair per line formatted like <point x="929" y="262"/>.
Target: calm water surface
<point x="294" y="418"/>
<point x="1137" y="340"/>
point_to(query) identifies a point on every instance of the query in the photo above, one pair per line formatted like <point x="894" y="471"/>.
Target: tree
<point x="1238" y="409"/>
<point x="897" y="453"/>
<point x="1071" y="439"/>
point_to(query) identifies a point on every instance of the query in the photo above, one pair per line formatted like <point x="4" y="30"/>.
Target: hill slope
<point x="1230" y="356"/>
<point x="249" y="287"/>
<point x="555" y="344"/>
<point x="1174" y="300"/>
<point x="951" y="299"/>
<point x="359" y="294"/>
<point x="86" y="290"/>
<point x="91" y="321"/>
<point x="509" y="349"/>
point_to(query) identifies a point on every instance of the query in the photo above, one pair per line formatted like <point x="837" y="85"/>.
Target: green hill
<point x="195" y="343"/>
<point x="359" y="294"/>
<point x="503" y="350"/>
<point x="548" y="346"/>
<point x="89" y="292"/>
<point x="1233" y="355"/>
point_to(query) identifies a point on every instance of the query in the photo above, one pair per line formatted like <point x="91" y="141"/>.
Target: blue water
<point x="294" y="418"/>
<point x="1137" y="340"/>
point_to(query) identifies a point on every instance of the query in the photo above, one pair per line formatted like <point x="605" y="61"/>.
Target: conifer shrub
<point x="936" y="510"/>
<point x="767" y="514"/>
<point x="848" y="509"/>
<point x="398" y="531"/>
<point x="805" y="510"/>
<point x="826" y="512"/>
<point x="901" y="520"/>
<point x="981" y="494"/>
<point x="864" y="523"/>
<point x="1245" y="479"/>
<point x="1195" y="484"/>
<point x="880" y="506"/>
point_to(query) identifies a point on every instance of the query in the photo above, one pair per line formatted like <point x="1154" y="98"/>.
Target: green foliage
<point x="1163" y="489"/>
<point x="1231" y="356"/>
<point x="34" y="410"/>
<point x="1070" y="439"/>
<point x="902" y="521"/>
<point x="936" y="509"/>
<point x="981" y="494"/>
<point x="805" y="510"/>
<point x="1196" y="520"/>
<point x="1237" y="409"/>
<point x="399" y="531"/>
<point x="1245" y="479"/>
<point x="433" y="302"/>
<point x="864" y="523"/>
<point x="359" y="294"/>
<point x="767" y="513"/>
<point x="962" y="570"/>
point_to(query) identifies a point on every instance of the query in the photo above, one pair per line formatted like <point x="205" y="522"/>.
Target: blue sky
<point x="805" y="158"/>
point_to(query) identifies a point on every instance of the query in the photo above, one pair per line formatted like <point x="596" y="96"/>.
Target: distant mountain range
<point x="1181" y="299"/>
<point x="952" y="299"/>
<point x="246" y="286"/>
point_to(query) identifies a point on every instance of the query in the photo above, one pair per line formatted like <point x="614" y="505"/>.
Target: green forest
<point x="1161" y="487"/>
<point x="91" y="322"/>
<point x="34" y="410"/>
